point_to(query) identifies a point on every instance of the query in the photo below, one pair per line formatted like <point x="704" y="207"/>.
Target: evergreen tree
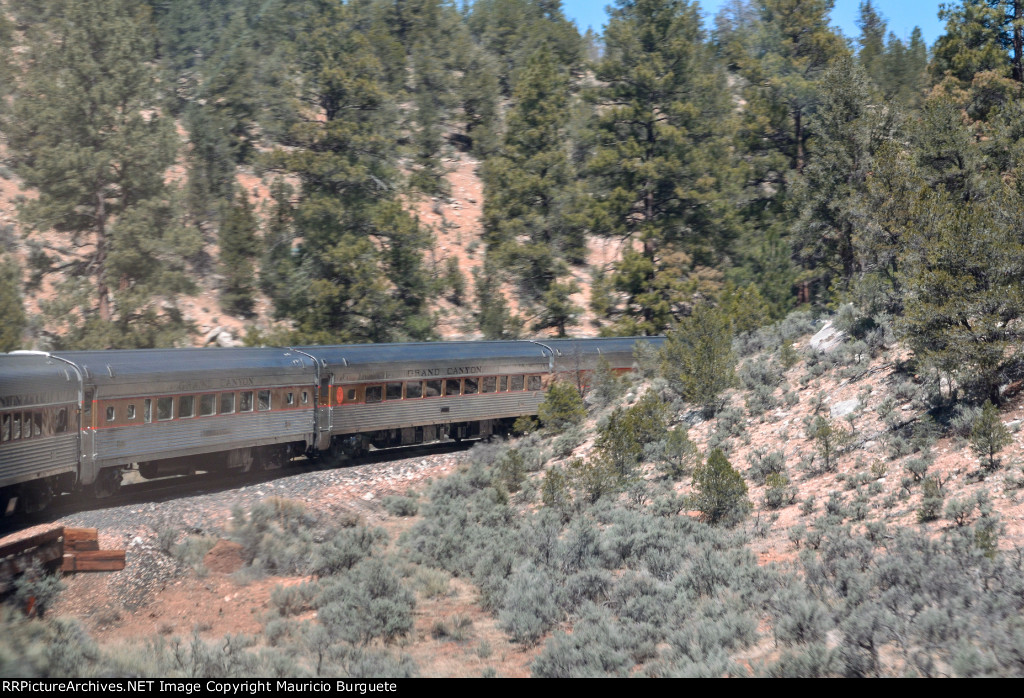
<point x="981" y="35"/>
<point x="661" y="167"/>
<point x="788" y="55"/>
<point x="493" y="316"/>
<point x="697" y="358"/>
<point x="514" y="30"/>
<point x="97" y="155"/>
<point x="237" y="248"/>
<point x="989" y="436"/>
<point x="831" y="233"/>
<point x="362" y="252"/>
<point x="12" y="310"/>
<point x="720" y="493"/>
<point x="527" y="193"/>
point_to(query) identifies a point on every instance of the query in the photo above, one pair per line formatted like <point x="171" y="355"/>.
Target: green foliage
<point x="562" y="406"/>
<point x="622" y="439"/>
<point x="720" y="493"/>
<point x="367" y="603"/>
<point x="697" y="358"/>
<point x="110" y="130"/>
<point x="989" y="436"/>
<point x="830" y="441"/>
<point x="660" y="167"/>
<point x="675" y="455"/>
<point x="362" y="254"/>
<point x="237" y="237"/>
<point x="492" y="315"/>
<point x="12" y="310"/>
<point x="932" y="498"/>
<point x="778" y="492"/>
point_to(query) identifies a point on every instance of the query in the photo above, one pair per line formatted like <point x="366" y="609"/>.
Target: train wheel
<point x="108" y="483"/>
<point x="36" y="496"/>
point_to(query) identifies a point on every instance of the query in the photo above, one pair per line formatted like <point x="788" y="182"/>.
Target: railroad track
<point x="173" y="487"/>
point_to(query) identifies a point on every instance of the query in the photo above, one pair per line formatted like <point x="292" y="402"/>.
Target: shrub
<point x="931" y="500"/>
<point x="697" y="358"/>
<point x="778" y="492"/>
<point x="989" y="436"/>
<point x="674" y="455"/>
<point x="401" y="506"/>
<point x="720" y="492"/>
<point x="622" y="439"/>
<point x="830" y="441"/>
<point x="562" y="406"/>
<point x="763" y="464"/>
<point x="366" y="603"/>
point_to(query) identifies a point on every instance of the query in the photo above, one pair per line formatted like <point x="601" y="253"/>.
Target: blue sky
<point x="901" y="16"/>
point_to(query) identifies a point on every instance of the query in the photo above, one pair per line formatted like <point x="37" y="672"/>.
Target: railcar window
<point x="130" y="412"/>
<point x="15" y="427"/>
<point x="37" y="421"/>
<point x="164" y="408"/>
<point x="186" y="406"/>
<point x="263" y="400"/>
<point x="227" y="403"/>
<point x="433" y="388"/>
<point x="305" y="397"/>
<point x="5" y="429"/>
<point x="488" y="384"/>
<point x="374" y="393"/>
<point x="23" y="427"/>
<point x="351" y="395"/>
<point x="452" y="386"/>
<point x="516" y="383"/>
<point x="414" y="389"/>
<point x="533" y="383"/>
<point x="289" y="398"/>
<point x="502" y="384"/>
<point x="245" y="401"/>
<point x="469" y="386"/>
<point x="147" y="411"/>
<point x="394" y="391"/>
<point x="111" y="413"/>
<point x="207" y="405"/>
<point x="62" y="420"/>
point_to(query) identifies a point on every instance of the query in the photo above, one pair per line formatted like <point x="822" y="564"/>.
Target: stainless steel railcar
<point x="73" y="420"/>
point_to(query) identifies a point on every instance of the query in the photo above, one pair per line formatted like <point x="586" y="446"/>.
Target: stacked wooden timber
<point x="82" y="553"/>
<point x="72" y="549"/>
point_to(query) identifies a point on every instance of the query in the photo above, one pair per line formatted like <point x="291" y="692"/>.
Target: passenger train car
<point x="77" y="420"/>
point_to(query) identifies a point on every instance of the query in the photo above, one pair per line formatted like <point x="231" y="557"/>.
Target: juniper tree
<point x="697" y="358"/>
<point x="989" y="436"/>
<point x="720" y="493"/>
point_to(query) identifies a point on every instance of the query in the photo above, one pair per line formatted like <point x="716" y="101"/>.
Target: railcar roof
<point x="154" y="363"/>
<point x="31" y="374"/>
<point x="354" y="354"/>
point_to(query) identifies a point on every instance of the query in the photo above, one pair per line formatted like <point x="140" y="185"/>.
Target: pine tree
<point x="97" y="157"/>
<point x="362" y="251"/>
<point x="12" y="310"/>
<point x="527" y="192"/>
<point x="661" y="168"/>
<point x="237" y="238"/>
<point x="831" y="194"/>
<point x="981" y="35"/>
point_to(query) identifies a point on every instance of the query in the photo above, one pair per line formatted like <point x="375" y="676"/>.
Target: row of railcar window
<point x="124" y="412"/>
<point x="441" y="387"/>
<point x="33" y="424"/>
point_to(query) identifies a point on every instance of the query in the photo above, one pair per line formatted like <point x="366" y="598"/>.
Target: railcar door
<point x="324" y="416"/>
